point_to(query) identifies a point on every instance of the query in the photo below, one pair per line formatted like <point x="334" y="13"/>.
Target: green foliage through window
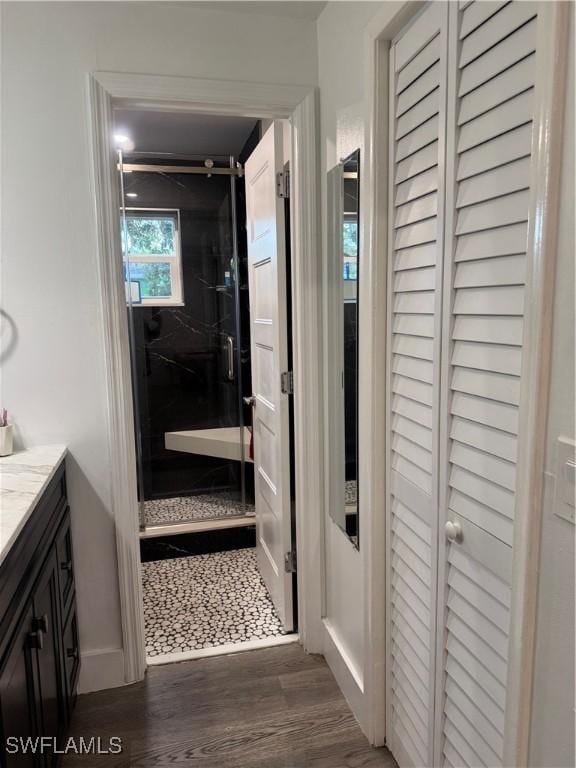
<point x="149" y="236"/>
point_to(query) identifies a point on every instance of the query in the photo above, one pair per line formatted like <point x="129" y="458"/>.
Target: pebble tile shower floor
<point x="204" y="601"/>
<point x="179" y="509"/>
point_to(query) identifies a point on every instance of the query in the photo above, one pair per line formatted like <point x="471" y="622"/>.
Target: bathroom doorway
<point x="206" y="576"/>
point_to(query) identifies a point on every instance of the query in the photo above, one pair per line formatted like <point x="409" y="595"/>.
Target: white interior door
<point x="489" y="140"/>
<point x="269" y="349"/>
<point x="417" y="159"/>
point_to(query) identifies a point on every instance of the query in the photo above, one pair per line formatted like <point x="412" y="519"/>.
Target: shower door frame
<point x="298" y="104"/>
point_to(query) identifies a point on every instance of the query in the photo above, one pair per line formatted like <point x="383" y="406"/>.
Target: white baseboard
<point x="101" y="669"/>
<point x="347" y="676"/>
<point x="221" y="650"/>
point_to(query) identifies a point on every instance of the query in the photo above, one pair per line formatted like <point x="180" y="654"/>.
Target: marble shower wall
<point x="180" y="352"/>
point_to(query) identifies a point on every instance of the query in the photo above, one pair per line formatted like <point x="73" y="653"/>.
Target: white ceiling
<point x="296" y="9"/>
<point x="184" y="133"/>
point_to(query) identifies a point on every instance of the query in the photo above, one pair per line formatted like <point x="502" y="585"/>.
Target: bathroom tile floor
<point x="205" y="506"/>
<point x="204" y="601"/>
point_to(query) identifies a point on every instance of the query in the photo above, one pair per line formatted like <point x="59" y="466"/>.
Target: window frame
<point x="176" y="299"/>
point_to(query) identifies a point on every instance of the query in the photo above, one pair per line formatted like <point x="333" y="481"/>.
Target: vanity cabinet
<point x="39" y="658"/>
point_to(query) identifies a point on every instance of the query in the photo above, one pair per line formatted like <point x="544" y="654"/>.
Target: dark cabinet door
<point x="18" y="696"/>
<point x="46" y="624"/>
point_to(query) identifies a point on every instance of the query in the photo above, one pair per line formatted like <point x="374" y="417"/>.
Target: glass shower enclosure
<point x="185" y="274"/>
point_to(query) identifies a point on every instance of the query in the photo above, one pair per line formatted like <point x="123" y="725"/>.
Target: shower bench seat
<point x="221" y="442"/>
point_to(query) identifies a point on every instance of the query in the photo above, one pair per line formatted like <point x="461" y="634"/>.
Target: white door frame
<point x="299" y="105"/>
<point x="539" y="297"/>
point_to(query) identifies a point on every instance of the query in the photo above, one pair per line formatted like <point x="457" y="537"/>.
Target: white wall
<point x="341" y="77"/>
<point x="53" y="383"/>
<point x="553" y="712"/>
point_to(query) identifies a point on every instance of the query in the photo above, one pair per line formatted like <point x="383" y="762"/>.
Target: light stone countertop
<point x="23" y="478"/>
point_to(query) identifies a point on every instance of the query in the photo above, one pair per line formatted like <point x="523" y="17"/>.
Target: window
<point x="152" y="257"/>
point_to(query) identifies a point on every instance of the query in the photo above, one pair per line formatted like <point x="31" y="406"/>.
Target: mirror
<point x="344" y="188"/>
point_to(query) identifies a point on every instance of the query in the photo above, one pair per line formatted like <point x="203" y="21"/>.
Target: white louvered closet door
<point x="489" y="138"/>
<point x="459" y="208"/>
<point x="417" y="129"/>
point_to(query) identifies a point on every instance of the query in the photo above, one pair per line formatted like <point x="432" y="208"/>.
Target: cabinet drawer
<point x="71" y="651"/>
<point x="65" y="564"/>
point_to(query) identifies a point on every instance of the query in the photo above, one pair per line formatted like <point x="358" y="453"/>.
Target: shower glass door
<point x="187" y="301"/>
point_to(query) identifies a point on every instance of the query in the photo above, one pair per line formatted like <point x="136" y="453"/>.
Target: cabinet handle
<point x="66" y="566"/>
<point x="40" y="623"/>
<point x="72" y="653"/>
<point x="36" y="639"/>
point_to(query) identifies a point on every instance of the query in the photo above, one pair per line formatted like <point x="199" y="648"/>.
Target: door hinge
<point x="287" y="382"/>
<point x="283" y="184"/>
<point x="290" y="561"/>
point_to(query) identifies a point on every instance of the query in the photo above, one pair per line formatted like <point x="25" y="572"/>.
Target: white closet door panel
<point x="420" y="161"/>
<point x="494" y="386"/>
<point x="416" y="187"/>
<point x="418" y="90"/>
<point x="484" y="465"/>
<point x="495" y="29"/>
<point x="506" y="85"/>
<point x="489" y="196"/>
<point x="485" y="702"/>
<point x="487" y="357"/>
<point x="412" y="431"/>
<point x="491" y="521"/>
<point x="503" y="118"/>
<point x="415" y="279"/>
<point x="412" y="258"/>
<point x="413" y="346"/>
<point x="477" y="488"/>
<point x="415" y="234"/>
<point x="420" y="414"/>
<point x="418" y="568"/>
<point x="413" y="389"/>
<point x="497" y="59"/>
<point x="414" y="303"/>
<point x="498" y="151"/>
<point x="413" y="452"/>
<point x="414" y="325"/>
<point x="478" y="647"/>
<point x="421" y="31"/>
<point x="424" y="110"/>
<point x="499" y="181"/>
<point x="509" y="209"/>
<point x="488" y="412"/>
<point x="413" y="368"/>
<point x="428" y="56"/>
<point x="474" y="716"/>
<point x="409" y="699"/>
<point x="477" y="13"/>
<point x="418" y="138"/>
<point x="493" y="441"/>
<point x="502" y="241"/>
<point x="421" y="87"/>
<point x="496" y="300"/>
<point x="415" y="690"/>
<point x="502" y="270"/>
<point x="422" y="208"/>
<point x="478" y="744"/>
<point x="413" y="589"/>
<point x="495" y="330"/>
<point x="412" y="472"/>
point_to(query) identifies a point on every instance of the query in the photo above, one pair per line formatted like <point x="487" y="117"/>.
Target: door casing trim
<point x="107" y="90"/>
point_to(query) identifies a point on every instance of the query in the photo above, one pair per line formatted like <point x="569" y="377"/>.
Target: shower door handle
<point x="230" y="349"/>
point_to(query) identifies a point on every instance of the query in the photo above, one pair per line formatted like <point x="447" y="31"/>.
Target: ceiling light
<point x="123" y="142"/>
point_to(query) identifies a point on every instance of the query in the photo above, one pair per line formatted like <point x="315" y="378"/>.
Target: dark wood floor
<point x="273" y="708"/>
